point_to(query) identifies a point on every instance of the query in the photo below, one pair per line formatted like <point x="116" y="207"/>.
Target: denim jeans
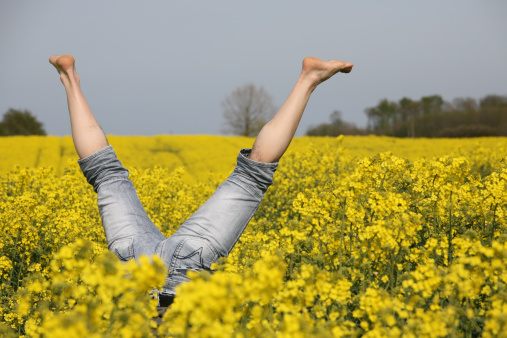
<point x="211" y="232"/>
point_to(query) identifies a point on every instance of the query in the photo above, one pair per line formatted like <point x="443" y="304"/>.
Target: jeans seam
<point x="175" y="253"/>
<point x="244" y="227"/>
<point x="131" y="253"/>
<point x="180" y="245"/>
<point x="131" y="236"/>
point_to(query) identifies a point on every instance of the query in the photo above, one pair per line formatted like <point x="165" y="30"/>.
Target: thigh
<point x="223" y="218"/>
<point x="129" y="230"/>
<point x="213" y="230"/>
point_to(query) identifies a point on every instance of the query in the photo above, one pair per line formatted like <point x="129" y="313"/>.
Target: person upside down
<point x="213" y="230"/>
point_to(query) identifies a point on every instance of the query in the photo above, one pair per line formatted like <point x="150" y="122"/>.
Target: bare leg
<point x="129" y="231"/>
<point x="87" y="135"/>
<point x="275" y="137"/>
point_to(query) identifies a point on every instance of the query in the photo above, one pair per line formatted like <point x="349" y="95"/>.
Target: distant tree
<point x="431" y="116"/>
<point x="431" y="108"/>
<point x="247" y="109"/>
<point x="493" y="112"/>
<point x="494" y="101"/>
<point x="431" y="104"/>
<point x="383" y="118"/>
<point x="409" y="110"/>
<point x="16" y="122"/>
<point x="465" y="104"/>
<point x="337" y="127"/>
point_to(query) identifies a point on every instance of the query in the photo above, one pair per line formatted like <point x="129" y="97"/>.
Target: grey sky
<point x="163" y="67"/>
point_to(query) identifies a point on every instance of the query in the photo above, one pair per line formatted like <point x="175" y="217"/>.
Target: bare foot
<point x="318" y="71"/>
<point x="64" y="64"/>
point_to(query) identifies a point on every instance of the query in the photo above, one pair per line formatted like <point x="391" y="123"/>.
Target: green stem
<point x="391" y="276"/>
<point x="449" y="235"/>
<point x="13" y="256"/>
<point x="341" y="233"/>
<point x="493" y="225"/>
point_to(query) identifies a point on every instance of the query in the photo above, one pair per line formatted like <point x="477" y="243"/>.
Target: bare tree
<point x="247" y="109"/>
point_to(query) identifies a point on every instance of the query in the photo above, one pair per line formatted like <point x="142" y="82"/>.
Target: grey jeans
<point x="211" y="232"/>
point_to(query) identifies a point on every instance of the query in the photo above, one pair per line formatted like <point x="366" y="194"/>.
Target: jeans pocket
<point x="193" y="253"/>
<point x="123" y="248"/>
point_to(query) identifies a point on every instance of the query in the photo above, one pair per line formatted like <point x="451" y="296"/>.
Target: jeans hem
<point x="244" y="155"/>
<point x="95" y="154"/>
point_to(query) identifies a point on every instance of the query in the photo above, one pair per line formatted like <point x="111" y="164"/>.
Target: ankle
<point x="69" y="79"/>
<point x="309" y="81"/>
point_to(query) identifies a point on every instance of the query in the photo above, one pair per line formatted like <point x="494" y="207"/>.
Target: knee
<point x="102" y="166"/>
<point x="256" y="174"/>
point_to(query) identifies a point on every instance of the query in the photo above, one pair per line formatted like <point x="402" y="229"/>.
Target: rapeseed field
<point x="358" y="237"/>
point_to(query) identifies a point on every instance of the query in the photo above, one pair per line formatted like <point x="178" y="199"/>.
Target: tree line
<point x="249" y="107"/>
<point x="430" y="116"/>
<point x="17" y="122"/>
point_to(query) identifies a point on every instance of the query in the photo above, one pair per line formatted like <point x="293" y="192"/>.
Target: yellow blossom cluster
<point x="359" y="236"/>
<point x="86" y="295"/>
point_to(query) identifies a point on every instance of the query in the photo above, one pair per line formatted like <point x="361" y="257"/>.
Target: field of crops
<point x="358" y="236"/>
